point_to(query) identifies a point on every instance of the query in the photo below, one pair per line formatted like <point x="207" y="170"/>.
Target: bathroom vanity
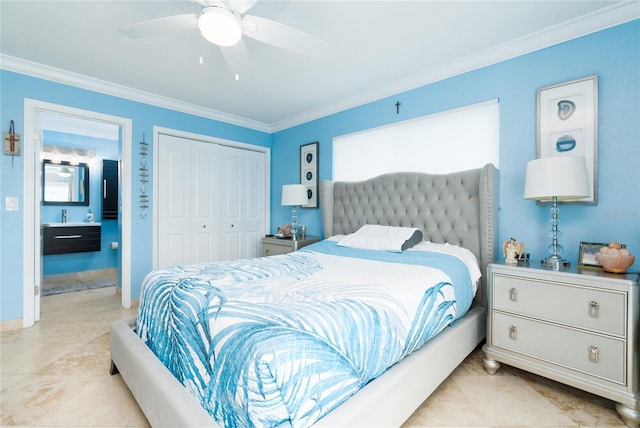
<point x="77" y="237"/>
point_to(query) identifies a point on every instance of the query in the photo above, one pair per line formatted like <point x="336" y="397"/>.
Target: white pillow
<point x="386" y="238"/>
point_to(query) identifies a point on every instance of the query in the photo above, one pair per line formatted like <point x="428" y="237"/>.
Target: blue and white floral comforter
<point x="281" y="341"/>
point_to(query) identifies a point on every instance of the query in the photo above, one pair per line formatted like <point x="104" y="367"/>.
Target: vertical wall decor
<point x="11" y="142"/>
<point x="144" y="178"/>
<point x="309" y="172"/>
<point x="568" y="125"/>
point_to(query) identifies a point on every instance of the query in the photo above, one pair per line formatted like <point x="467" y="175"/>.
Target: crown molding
<point x="602" y="19"/>
<point x="57" y="75"/>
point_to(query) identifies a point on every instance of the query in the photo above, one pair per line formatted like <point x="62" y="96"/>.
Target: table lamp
<point x="554" y="179"/>
<point x="294" y="195"/>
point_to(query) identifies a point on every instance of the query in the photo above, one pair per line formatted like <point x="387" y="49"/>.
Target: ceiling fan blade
<point x="282" y="36"/>
<point x="161" y="26"/>
<point x="241" y="6"/>
<point x="236" y="57"/>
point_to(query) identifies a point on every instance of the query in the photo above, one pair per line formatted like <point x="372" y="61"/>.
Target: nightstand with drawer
<point x="272" y="246"/>
<point x="578" y="327"/>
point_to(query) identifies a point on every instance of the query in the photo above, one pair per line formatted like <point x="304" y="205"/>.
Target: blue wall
<point x="14" y="88"/>
<point x="613" y="54"/>
<point x="78" y="262"/>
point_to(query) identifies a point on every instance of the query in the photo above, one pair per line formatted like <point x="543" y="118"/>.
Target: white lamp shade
<point x="564" y="177"/>
<point x="220" y="26"/>
<point x="294" y="194"/>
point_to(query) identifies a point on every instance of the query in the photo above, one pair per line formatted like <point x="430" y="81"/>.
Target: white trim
<point x="30" y="217"/>
<point x="65" y="77"/>
<point x="31" y="191"/>
<point x="616" y="14"/>
<point x="157" y="130"/>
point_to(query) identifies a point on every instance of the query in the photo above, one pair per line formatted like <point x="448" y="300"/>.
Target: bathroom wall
<point x="80" y="262"/>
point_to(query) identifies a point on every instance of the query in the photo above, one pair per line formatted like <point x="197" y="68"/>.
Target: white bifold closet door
<point x="243" y="189"/>
<point x="211" y="201"/>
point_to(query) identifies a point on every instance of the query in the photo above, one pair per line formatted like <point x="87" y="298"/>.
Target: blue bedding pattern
<point x="270" y="342"/>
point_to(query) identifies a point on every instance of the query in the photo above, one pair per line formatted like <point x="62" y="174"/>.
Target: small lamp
<point x="294" y="195"/>
<point x="554" y="179"/>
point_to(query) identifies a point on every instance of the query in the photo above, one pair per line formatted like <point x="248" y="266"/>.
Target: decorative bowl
<point x="615" y="263"/>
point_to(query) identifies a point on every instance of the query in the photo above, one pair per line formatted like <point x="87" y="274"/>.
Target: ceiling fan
<point x="224" y="22"/>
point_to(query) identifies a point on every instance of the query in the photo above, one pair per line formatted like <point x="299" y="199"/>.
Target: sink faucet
<point x="64" y="215"/>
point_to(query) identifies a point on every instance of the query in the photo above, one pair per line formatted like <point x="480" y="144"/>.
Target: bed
<point x="458" y="208"/>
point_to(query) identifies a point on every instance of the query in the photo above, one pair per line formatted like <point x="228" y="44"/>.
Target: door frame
<point x="157" y="130"/>
<point x="32" y="249"/>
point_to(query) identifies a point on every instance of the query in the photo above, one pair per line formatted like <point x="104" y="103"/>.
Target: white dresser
<point x="272" y="246"/>
<point x="578" y="327"/>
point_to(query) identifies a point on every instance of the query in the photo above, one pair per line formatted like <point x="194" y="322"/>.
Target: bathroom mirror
<point x="65" y="184"/>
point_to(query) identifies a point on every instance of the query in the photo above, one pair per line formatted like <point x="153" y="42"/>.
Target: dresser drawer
<point x="274" y="250"/>
<point x="273" y="246"/>
<point x="595" y="309"/>
<point x="593" y="354"/>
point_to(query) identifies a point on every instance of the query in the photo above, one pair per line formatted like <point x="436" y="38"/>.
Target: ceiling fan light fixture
<point x="220" y="26"/>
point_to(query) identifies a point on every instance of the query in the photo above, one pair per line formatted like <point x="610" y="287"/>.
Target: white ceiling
<point x="379" y="48"/>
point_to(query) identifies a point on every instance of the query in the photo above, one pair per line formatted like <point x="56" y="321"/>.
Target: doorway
<point x="76" y="154"/>
<point x="32" y="253"/>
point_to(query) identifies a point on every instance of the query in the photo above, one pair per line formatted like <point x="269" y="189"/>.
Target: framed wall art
<point x="568" y="125"/>
<point x="309" y="172"/>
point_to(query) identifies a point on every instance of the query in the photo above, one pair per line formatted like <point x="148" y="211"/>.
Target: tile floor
<point x="56" y="374"/>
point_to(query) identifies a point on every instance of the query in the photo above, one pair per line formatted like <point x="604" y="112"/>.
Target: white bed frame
<point x="460" y="208"/>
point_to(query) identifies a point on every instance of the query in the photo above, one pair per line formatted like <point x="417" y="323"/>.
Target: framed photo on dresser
<point x="587" y="254"/>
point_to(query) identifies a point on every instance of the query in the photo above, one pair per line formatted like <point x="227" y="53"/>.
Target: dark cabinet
<point x="110" y="204"/>
<point x="71" y="239"/>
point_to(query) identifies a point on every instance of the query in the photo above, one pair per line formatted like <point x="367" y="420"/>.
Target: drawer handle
<point x="594" y="354"/>
<point x="593" y="309"/>
<point x="68" y="236"/>
<point x="513" y="295"/>
<point x="513" y="332"/>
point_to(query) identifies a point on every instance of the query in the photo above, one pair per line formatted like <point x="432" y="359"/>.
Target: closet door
<point x="243" y="187"/>
<point x="204" y="233"/>
<point x="211" y="201"/>
<point x="187" y="217"/>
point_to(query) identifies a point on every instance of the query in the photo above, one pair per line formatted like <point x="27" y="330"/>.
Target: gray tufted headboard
<point x="460" y="208"/>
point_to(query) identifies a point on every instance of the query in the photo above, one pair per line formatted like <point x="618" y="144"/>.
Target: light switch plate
<point x="11" y="203"/>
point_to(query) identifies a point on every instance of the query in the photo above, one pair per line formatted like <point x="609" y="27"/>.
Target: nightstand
<point x="576" y="326"/>
<point x="272" y="246"/>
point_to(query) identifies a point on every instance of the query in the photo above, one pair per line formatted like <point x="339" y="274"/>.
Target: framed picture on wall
<point x="568" y="125"/>
<point x="309" y="173"/>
